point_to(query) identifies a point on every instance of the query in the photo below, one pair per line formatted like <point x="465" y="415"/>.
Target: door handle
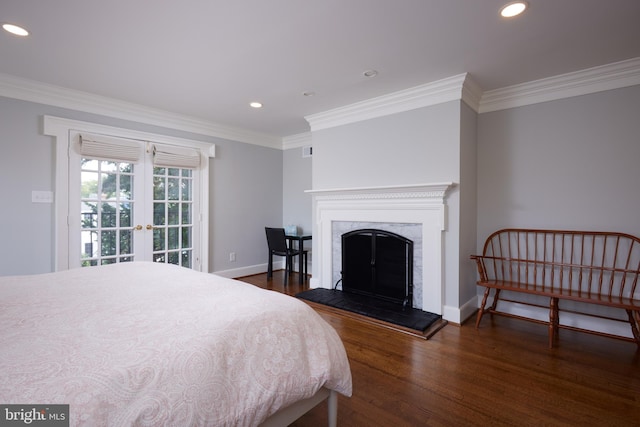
<point x="139" y="227"/>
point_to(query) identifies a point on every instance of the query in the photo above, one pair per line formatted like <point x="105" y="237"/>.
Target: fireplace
<point x="417" y="212"/>
<point x="379" y="264"/>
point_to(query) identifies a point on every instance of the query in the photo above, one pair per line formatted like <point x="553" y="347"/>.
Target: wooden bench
<point x="588" y="267"/>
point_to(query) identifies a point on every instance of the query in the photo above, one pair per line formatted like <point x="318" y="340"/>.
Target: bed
<point x="154" y="344"/>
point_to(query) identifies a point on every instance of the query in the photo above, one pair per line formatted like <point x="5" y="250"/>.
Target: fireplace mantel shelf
<point x="432" y="187"/>
<point x="432" y="190"/>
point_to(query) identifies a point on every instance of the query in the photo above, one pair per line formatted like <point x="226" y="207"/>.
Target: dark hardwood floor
<point x="500" y="375"/>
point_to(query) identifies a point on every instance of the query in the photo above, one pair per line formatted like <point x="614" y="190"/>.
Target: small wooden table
<point x="299" y="238"/>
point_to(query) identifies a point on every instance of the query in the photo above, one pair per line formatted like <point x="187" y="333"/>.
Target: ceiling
<point x="208" y="59"/>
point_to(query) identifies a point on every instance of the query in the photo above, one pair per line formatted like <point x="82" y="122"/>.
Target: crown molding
<point x="296" y="141"/>
<point x="42" y="93"/>
<point x="597" y="79"/>
<point x="460" y="87"/>
<point x="449" y="89"/>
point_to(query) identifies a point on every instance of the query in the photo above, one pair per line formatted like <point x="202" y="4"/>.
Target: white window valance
<point x="110" y="148"/>
<point x="176" y="157"/>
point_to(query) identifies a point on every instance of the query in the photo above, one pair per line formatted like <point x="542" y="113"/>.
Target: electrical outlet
<point x="232" y="256"/>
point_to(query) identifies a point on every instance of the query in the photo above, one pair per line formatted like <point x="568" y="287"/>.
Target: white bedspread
<point x="154" y="344"/>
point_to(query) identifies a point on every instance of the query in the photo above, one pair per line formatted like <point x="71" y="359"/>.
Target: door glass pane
<point x="126" y="242"/>
<point x="158" y="239"/>
<point x="173" y="184"/>
<point x="186" y="190"/>
<point x="108" y="214"/>
<point x="174" y="213"/>
<point x="158" y="214"/>
<point x="158" y="187"/>
<point x="186" y="213"/>
<point x="125" y="187"/>
<point x="109" y="185"/>
<point x="108" y="243"/>
<point x="173" y="258"/>
<point x="88" y="215"/>
<point x="174" y="241"/>
<point x="186" y="259"/>
<point x="89" y="243"/>
<point x="186" y="237"/>
<point x="125" y="214"/>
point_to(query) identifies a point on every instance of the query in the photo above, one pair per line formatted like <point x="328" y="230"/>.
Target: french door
<point x="130" y="208"/>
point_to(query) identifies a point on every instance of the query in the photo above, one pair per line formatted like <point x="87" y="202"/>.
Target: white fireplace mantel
<point x="422" y="204"/>
<point x="429" y="191"/>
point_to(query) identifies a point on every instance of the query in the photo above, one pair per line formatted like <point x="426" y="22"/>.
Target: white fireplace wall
<point x="428" y="144"/>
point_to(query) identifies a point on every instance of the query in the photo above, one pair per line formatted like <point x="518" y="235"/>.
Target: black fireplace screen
<point x="378" y="263"/>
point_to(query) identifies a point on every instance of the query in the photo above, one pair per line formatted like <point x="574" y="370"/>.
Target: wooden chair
<point x="277" y="243"/>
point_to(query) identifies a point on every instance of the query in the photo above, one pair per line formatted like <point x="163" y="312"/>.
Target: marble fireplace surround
<point x="420" y="204"/>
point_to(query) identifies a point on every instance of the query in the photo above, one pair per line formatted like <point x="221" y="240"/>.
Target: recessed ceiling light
<point x="513" y="9"/>
<point x="256" y="104"/>
<point x="14" y="29"/>
<point x="370" y="73"/>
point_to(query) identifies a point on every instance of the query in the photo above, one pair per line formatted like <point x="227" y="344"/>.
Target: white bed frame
<point x="288" y="415"/>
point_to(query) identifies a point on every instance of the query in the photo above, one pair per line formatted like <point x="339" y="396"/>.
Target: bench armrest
<point x="482" y="271"/>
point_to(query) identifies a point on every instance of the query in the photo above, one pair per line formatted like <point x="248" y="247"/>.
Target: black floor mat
<point x="373" y="307"/>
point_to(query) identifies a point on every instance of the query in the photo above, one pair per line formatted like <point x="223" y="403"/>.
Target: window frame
<point x="63" y="131"/>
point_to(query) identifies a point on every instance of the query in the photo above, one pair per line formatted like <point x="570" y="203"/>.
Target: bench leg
<point x="481" y="309"/>
<point x="553" y="320"/>
<point x="634" y="320"/>
<point x="496" y="297"/>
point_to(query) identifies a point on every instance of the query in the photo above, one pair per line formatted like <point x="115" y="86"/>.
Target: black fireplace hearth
<point x="376" y="308"/>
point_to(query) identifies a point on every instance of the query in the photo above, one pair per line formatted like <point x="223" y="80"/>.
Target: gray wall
<point x="26" y="228"/>
<point x="245" y="186"/>
<point x="418" y="146"/>
<point x="246" y="196"/>
<point x="566" y="164"/>
<point x="296" y="178"/>
<point x="468" y="201"/>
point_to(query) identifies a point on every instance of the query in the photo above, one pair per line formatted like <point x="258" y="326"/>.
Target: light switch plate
<point x="42" y="196"/>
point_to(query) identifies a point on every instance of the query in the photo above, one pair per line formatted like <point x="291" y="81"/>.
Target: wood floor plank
<point x="500" y="375"/>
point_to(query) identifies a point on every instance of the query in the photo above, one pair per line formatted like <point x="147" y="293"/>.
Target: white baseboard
<point x="460" y="314"/>
<point x="256" y="269"/>
<point x="249" y="270"/>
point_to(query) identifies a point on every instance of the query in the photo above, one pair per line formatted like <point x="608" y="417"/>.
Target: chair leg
<point x="270" y="267"/>
<point x="287" y="269"/>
